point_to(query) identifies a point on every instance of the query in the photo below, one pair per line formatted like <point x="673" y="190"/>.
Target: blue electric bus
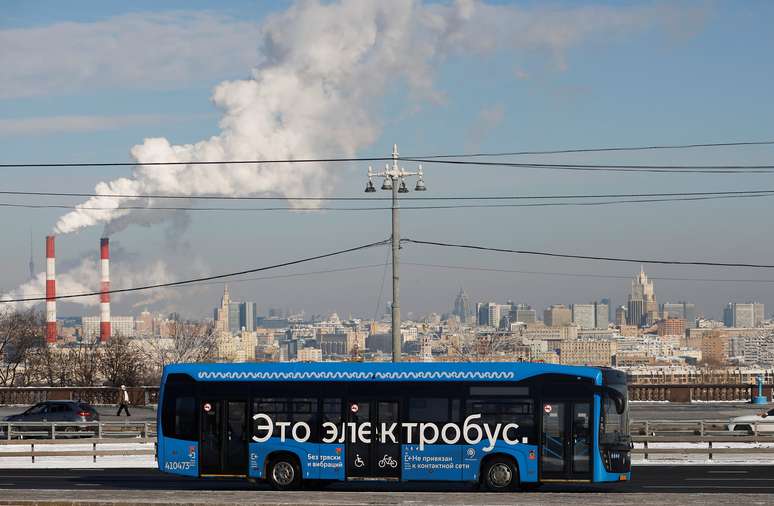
<point x="503" y="425"/>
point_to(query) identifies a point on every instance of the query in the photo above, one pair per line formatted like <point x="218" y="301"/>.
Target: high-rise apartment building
<point x="682" y="310"/>
<point x="642" y="306"/>
<point x="233" y="318"/>
<point x="606" y="301"/>
<point x="524" y="314"/>
<point x="742" y="315"/>
<point x="591" y="316"/>
<point x="247" y="315"/>
<point x="584" y="316"/>
<point x="601" y="315"/>
<point x="491" y="313"/>
<point x="557" y="315"/>
<point x="482" y="313"/>
<point x="119" y="326"/>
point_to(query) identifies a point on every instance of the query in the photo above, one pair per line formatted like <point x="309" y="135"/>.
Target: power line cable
<point x="404" y="199"/>
<point x="681" y="169"/>
<point x="194" y="162"/>
<point x="278" y="276"/>
<point x="375" y="208"/>
<point x="604" y="149"/>
<point x="382" y="158"/>
<point x="474" y="269"/>
<point x="586" y="257"/>
<point x="442" y="158"/>
<point x="207" y="278"/>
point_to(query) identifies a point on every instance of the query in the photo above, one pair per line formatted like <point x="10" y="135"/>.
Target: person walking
<point x="123" y="401"/>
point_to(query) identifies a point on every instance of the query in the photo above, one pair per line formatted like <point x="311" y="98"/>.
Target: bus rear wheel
<point x="500" y="474"/>
<point x="284" y="473"/>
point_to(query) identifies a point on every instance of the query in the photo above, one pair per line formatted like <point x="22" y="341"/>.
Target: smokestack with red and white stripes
<point x="104" y="296"/>
<point x="50" y="291"/>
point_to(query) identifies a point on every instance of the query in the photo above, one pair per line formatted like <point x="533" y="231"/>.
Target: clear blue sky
<point x="88" y="80"/>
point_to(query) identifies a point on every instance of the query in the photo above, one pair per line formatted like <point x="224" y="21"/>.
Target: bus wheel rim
<point x="283" y="473"/>
<point x="500" y="475"/>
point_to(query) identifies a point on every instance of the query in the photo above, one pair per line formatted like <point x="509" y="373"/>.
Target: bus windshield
<point x="614" y="426"/>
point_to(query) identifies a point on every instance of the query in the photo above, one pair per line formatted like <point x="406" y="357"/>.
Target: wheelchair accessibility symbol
<point x="358" y="461"/>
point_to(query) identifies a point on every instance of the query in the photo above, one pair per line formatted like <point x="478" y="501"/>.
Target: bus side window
<point x="274" y="408"/>
<point x="305" y="410"/>
<point x="287" y="410"/>
<point x="179" y="413"/>
<point x="504" y="411"/>
<point x="331" y="410"/>
<point x="429" y="409"/>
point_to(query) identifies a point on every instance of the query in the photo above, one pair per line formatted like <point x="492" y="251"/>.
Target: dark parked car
<point x="57" y="411"/>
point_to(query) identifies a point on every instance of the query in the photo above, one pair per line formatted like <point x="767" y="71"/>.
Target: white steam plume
<point x="85" y="278"/>
<point x="324" y="68"/>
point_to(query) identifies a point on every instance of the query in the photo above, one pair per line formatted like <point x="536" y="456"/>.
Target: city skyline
<point x="244" y="309"/>
<point x="462" y="93"/>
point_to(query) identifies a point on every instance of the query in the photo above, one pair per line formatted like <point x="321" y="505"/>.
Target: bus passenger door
<point x="374" y="459"/>
<point x="386" y="455"/>
<point x="223" y="437"/>
<point x="358" y="453"/>
<point x="235" y="444"/>
<point x="566" y="441"/>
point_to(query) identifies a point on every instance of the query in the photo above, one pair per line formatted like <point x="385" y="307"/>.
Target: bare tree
<point x="21" y="332"/>
<point x="84" y="361"/>
<point x="121" y="363"/>
<point x="48" y="366"/>
<point x="485" y="347"/>
<point x="184" y="342"/>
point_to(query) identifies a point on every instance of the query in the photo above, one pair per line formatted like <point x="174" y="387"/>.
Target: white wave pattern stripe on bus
<point x="405" y="375"/>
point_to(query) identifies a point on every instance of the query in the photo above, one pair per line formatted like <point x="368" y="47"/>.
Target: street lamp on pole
<point x="395" y="180"/>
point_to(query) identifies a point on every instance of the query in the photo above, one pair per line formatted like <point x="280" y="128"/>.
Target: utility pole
<point x="395" y="180"/>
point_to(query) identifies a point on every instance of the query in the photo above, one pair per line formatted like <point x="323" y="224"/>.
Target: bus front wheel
<point x="284" y="473"/>
<point x="500" y="474"/>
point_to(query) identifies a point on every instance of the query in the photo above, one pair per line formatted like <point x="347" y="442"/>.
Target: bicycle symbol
<point x="358" y="461"/>
<point x="387" y="460"/>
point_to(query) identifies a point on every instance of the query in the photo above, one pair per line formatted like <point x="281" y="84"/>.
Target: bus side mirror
<point x="618" y="400"/>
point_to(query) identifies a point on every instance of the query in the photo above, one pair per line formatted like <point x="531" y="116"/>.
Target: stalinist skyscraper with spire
<point x="222" y="313"/>
<point x="642" y="306"/>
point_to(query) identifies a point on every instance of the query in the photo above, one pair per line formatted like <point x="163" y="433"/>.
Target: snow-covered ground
<point x="743" y="457"/>
<point x="76" y="462"/>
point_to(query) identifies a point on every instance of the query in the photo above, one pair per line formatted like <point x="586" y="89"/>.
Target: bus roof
<point x="377" y="371"/>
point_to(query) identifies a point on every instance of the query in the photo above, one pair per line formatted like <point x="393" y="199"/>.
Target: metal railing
<point x="638" y="391"/>
<point x="94" y="452"/>
<point x="55" y="437"/>
<point x="139" y="396"/>
<point x="703" y="435"/>
<point x="10" y="431"/>
<point x="685" y="428"/>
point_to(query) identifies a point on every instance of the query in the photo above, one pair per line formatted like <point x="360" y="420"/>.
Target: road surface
<point x="657" y="485"/>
